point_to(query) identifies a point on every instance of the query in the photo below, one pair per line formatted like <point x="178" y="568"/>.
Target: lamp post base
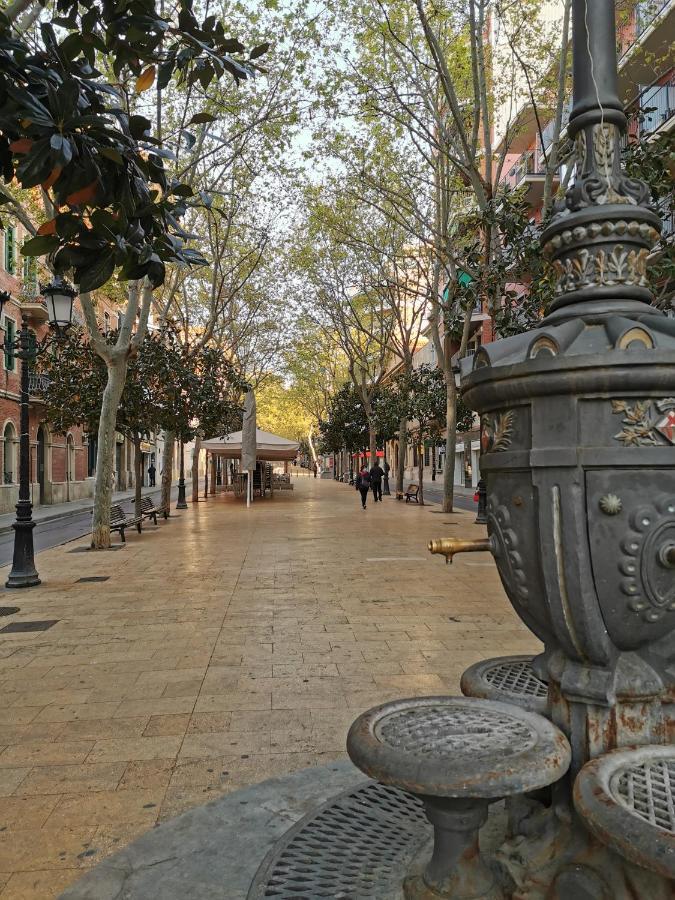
<point x="23" y="573"/>
<point x="181" y="502"/>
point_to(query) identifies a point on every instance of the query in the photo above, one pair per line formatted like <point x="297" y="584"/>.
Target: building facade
<point x="62" y="467"/>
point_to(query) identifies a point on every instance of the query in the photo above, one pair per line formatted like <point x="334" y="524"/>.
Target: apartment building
<point x="645" y="41"/>
<point x="62" y="467"/>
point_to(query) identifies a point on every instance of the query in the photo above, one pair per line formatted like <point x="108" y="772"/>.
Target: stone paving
<point x="225" y="647"/>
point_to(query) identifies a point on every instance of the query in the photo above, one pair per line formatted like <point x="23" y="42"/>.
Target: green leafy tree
<point x="166" y="388"/>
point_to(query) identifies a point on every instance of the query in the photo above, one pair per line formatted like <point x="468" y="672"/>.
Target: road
<point x="435" y="495"/>
<point x="59" y="531"/>
<point x="49" y="534"/>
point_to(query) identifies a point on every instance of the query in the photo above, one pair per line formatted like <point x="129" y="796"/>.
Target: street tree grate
<point x="90" y="579"/>
<point x="8" y="610"/>
<point x="19" y="627"/>
<point x="358" y="846"/>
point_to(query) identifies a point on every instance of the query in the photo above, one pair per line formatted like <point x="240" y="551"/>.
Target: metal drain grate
<point x="516" y="678"/>
<point x="358" y="846"/>
<point x="19" y="627"/>
<point x="648" y="791"/>
<point x="93" y="579"/>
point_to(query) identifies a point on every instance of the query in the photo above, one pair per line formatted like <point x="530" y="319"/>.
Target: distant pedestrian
<point x="315" y="469"/>
<point x="376" y="476"/>
<point x="363" y="485"/>
<point x="152" y="472"/>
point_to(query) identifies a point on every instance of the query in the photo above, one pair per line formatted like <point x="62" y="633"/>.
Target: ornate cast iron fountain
<point x="578" y="418"/>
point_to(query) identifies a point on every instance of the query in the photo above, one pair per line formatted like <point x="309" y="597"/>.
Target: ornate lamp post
<point x="181" y="502"/>
<point x="59" y="297"/>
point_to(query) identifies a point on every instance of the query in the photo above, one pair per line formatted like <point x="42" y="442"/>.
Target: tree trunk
<point x="372" y="443"/>
<point x="167" y="468"/>
<point x="311" y="445"/>
<point x="138" y="458"/>
<point x="195" y="468"/>
<point x="105" y="456"/>
<point x="402" y="447"/>
<point x="420" y="472"/>
<point x="450" y="443"/>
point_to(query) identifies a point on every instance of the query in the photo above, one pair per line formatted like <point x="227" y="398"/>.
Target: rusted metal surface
<point x="459" y="754"/>
<point x="510" y="679"/>
<point x="458" y="747"/>
<point x="627" y="799"/>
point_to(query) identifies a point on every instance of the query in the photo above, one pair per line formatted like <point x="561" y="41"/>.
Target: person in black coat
<point x="363" y="485"/>
<point x="376" y="476"/>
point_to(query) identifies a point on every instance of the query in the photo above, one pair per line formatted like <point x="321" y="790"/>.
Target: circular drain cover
<point x="358" y="846"/>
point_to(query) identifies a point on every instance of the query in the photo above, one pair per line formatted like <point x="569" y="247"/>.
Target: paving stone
<point x="249" y="662"/>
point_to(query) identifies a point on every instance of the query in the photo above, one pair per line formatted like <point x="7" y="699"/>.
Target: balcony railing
<point x="655" y="106"/>
<point x="37" y="384"/>
<point x="646" y="11"/>
<point x="548" y="132"/>
<point x="667" y="213"/>
<point x="531" y="162"/>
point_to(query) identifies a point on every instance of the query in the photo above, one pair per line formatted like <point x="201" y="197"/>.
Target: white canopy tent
<point x="269" y="447"/>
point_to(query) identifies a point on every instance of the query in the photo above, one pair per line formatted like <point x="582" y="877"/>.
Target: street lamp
<point x="181" y="502"/>
<point x="59" y="297"/>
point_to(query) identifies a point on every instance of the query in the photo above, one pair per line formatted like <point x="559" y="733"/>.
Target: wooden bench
<point x="411" y="493"/>
<point x="119" y="520"/>
<point x="150" y="511"/>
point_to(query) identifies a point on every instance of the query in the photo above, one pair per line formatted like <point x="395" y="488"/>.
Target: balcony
<point x="37" y="385"/>
<point x="667" y="212"/>
<point x="529" y="172"/>
<point x="646" y="13"/>
<point x="649" y="50"/>
<point x="656" y="107"/>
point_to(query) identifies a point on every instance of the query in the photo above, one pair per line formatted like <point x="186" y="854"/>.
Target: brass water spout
<point x="447" y="547"/>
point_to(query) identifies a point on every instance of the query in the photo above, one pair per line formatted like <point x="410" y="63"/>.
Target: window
<point x="427" y="459"/>
<point x="10" y="334"/>
<point x="30" y="275"/>
<point x="106" y="323"/>
<point x="10" y="247"/>
<point x="92" y="450"/>
<point x="9" y="454"/>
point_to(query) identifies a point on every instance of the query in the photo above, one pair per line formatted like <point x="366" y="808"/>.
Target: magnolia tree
<point x="69" y="130"/>
<point x="165" y="388"/>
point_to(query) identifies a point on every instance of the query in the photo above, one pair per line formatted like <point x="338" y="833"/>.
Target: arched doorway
<point x="9" y="454"/>
<point x="42" y="461"/>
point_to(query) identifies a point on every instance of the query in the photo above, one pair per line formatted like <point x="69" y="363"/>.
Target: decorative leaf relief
<point x="639" y="428"/>
<point x="503" y="431"/>
<point x="621" y="266"/>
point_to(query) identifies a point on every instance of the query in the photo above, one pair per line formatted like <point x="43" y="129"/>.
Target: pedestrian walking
<point x="376" y="476"/>
<point x="152" y="472"/>
<point x="363" y="485"/>
<point x="315" y="469"/>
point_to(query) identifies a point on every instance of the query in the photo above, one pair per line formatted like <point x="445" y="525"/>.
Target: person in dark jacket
<point x="376" y="476"/>
<point x="363" y="485"/>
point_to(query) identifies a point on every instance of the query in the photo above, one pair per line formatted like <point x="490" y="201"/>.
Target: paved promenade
<point x="223" y="647"/>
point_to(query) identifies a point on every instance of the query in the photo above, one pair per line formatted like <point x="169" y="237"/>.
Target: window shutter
<point x="10" y="235"/>
<point x="10" y="332"/>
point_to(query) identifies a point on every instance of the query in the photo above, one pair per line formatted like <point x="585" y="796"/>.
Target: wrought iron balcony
<point x="37" y="384"/>
<point x="655" y="106"/>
